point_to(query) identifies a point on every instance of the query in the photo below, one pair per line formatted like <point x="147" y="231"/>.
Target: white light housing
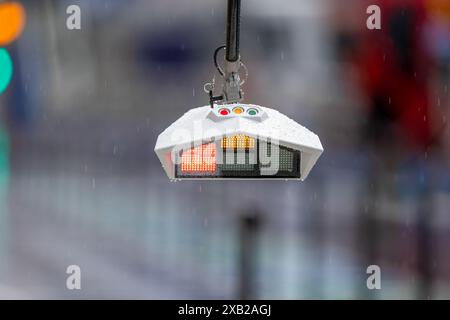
<point x="237" y="141"/>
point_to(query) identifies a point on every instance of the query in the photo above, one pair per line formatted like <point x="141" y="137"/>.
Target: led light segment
<point x="238" y="110"/>
<point x="239" y="141"/>
<point x="224" y="112"/>
<point x="199" y="159"/>
<point x="252" y="112"/>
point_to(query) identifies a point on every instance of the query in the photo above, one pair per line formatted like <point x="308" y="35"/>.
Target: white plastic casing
<point x="204" y="124"/>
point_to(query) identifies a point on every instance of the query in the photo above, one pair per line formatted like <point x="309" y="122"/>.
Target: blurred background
<point x="80" y="183"/>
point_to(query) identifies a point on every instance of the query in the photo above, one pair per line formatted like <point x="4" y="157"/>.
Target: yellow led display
<point x="238" y="141"/>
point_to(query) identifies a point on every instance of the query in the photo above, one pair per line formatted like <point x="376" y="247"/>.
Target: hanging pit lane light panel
<point x="237" y="141"/>
<point x="232" y="140"/>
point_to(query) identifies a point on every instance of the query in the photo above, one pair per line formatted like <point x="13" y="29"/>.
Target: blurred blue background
<point x="80" y="183"/>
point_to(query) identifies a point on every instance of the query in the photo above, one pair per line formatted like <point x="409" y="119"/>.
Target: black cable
<point x="233" y="30"/>
<point x="216" y="64"/>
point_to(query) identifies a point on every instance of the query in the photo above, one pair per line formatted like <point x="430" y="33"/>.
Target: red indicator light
<point x="224" y="112"/>
<point x="199" y="159"/>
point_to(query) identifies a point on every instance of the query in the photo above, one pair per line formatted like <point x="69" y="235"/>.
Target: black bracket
<point x="213" y="98"/>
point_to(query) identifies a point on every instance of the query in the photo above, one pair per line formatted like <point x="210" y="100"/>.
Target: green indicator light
<point x="6" y="70"/>
<point x="252" y="112"/>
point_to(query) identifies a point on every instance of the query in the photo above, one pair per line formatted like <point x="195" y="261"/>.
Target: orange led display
<point x="239" y="141"/>
<point x="199" y="159"/>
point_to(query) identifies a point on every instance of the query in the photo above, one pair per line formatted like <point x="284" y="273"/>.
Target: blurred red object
<point x="394" y="70"/>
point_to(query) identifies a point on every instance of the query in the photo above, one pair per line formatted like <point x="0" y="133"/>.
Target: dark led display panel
<point x="238" y="157"/>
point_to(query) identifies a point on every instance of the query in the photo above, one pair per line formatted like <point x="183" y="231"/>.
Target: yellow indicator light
<point x="238" y="110"/>
<point x="238" y="141"/>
